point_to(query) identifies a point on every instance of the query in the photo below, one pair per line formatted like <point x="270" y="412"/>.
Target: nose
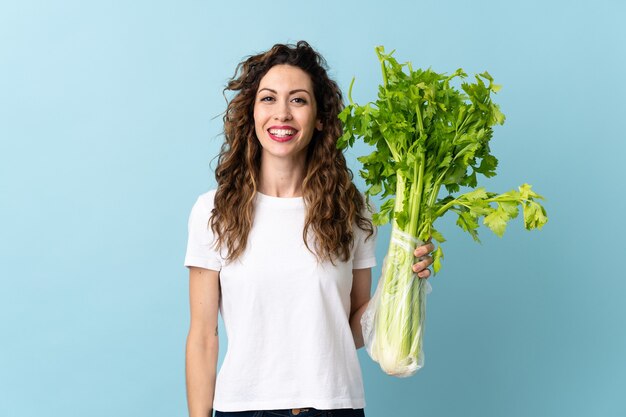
<point x="282" y="112"/>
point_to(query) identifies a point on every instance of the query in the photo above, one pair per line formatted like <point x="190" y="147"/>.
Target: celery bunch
<point x="427" y="136"/>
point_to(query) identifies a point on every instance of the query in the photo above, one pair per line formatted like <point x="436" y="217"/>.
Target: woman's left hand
<point x="421" y="267"/>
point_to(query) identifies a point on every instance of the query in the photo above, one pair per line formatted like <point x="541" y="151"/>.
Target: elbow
<point x="355" y="326"/>
<point x="202" y="340"/>
<point x="357" y="335"/>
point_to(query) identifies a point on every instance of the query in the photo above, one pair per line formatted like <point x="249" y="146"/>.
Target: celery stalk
<point x="426" y="136"/>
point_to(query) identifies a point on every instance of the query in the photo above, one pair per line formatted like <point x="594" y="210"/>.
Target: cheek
<point x="258" y="120"/>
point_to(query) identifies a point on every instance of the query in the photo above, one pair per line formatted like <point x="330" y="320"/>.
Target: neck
<point x="281" y="178"/>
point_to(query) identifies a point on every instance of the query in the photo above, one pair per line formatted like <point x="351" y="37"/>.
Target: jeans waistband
<point x="296" y="412"/>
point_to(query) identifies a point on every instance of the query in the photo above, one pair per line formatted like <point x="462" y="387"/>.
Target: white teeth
<point x="282" y="132"/>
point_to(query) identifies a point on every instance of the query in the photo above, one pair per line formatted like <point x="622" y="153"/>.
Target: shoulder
<point x="206" y="200"/>
<point x="369" y="208"/>
<point x="202" y="208"/>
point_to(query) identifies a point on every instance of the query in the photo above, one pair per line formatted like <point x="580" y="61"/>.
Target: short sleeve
<point x="365" y="247"/>
<point x="200" y="243"/>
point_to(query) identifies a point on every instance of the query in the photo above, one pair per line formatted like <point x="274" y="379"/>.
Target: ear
<point x="318" y="125"/>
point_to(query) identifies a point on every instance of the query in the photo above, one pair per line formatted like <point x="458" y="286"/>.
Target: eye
<point x="300" y="100"/>
<point x="267" y="98"/>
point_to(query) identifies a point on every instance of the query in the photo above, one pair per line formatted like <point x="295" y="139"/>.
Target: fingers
<point x="421" y="267"/>
<point x="424" y="274"/>
<point x="422" y="253"/>
<point x="424" y="249"/>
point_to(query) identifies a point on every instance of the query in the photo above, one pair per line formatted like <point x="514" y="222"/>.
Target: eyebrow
<point x="290" y="93"/>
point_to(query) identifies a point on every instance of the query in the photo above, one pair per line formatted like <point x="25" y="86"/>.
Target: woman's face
<point x="285" y="113"/>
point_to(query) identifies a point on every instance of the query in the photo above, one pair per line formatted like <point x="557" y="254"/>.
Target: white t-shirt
<point x="286" y="315"/>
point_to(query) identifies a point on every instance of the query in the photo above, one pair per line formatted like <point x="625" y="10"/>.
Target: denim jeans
<point x="301" y="412"/>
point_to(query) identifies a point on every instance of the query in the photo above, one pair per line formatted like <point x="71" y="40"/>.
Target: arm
<point x="202" y="341"/>
<point x="359" y="298"/>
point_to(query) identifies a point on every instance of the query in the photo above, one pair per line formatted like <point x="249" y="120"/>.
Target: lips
<point x="282" y="133"/>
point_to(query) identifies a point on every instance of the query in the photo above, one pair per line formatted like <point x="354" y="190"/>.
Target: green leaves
<point x="437" y="257"/>
<point x="497" y="220"/>
<point x="383" y="215"/>
<point x="496" y="210"/>
<point x="427" y="133"/>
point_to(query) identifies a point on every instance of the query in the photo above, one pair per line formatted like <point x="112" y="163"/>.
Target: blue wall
<point x="109" y="120"/>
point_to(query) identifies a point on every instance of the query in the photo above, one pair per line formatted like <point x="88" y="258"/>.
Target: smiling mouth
<point x="282" y="135"/>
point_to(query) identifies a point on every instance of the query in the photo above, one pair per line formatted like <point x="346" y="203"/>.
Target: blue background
<point x="110" y="115"/>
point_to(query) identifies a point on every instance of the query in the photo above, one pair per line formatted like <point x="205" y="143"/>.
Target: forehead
<point x="286" y="77"/>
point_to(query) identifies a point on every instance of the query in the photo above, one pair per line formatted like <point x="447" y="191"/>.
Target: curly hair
<point x="333" y="203"/>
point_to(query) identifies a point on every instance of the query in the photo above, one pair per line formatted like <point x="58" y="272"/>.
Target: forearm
<point x="201" y="366"/>
<point x="355" y="325"/>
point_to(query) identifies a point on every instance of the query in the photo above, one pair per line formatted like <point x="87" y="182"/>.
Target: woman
<point x="283" y="249"/>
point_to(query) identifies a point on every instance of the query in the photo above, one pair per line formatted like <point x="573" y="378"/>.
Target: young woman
<point x="283" y="249"/>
